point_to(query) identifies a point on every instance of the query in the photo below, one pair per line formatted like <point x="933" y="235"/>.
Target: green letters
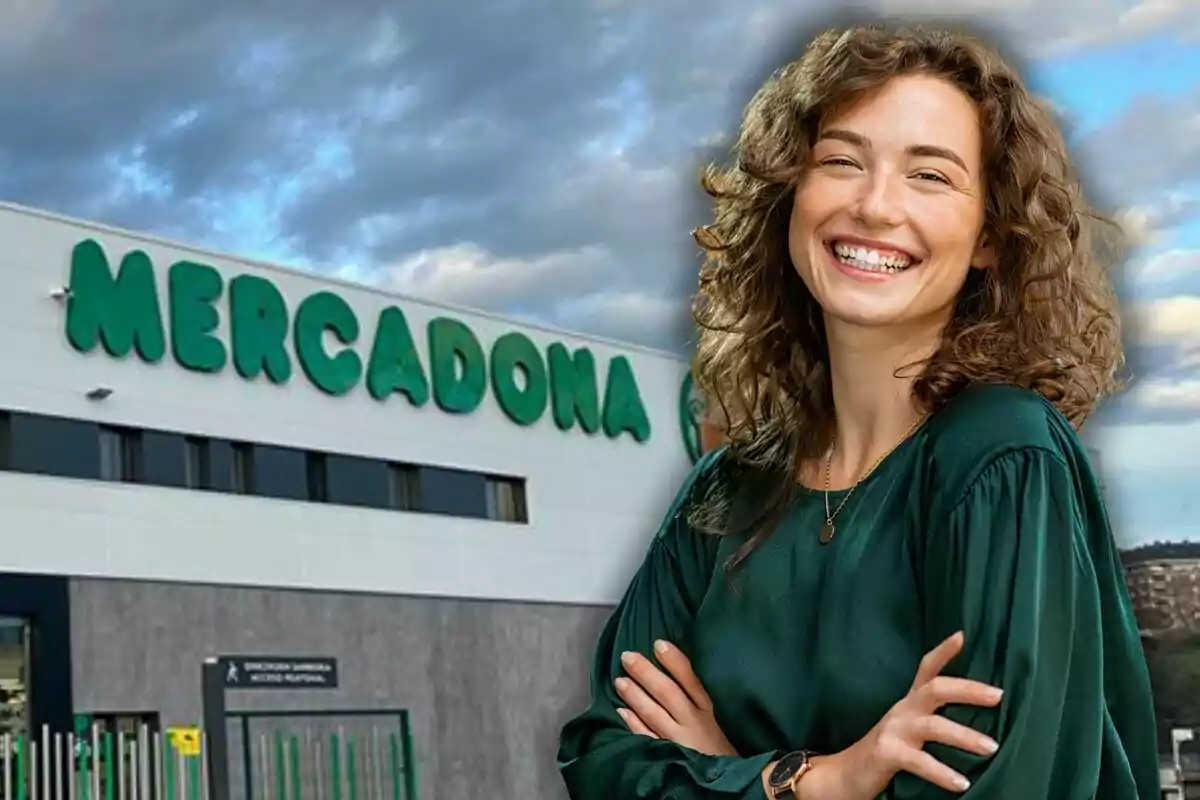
<point x="121" y="312"/>
<point x="573" y="387"/>
<point x="258" y="322"/>
<point x="320" y="312"/>
<point x="623" y="410"/>
<point x="511" y="353"/>
<point x="192" y="289"/>
<point x="451" y="345"/>
<point x="395" y="365"/>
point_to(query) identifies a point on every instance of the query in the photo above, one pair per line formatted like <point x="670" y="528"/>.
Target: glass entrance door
<point x="14" y="672"/>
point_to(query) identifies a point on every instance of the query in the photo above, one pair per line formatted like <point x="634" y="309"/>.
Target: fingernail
<point x="626" y="658"/>
<point x="621" y="683"/>
<point x="622" y="713"/>
<point x="661" y="647"/>
<point x="990" y="745"/>
<point x="962" y="783"/>
<point x="997" y="694"/>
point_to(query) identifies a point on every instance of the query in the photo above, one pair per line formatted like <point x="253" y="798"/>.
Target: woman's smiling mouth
<point x="856" y="257"/>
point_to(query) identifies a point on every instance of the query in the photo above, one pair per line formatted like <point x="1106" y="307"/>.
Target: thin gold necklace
<point x="828" y="529"/>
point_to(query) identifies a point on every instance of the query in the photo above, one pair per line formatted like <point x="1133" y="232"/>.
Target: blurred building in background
<point x="1166" y="593"/>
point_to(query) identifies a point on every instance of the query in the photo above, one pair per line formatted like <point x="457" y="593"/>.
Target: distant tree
<point x="1173" y="659"/>
<point x="1160" y="551"/>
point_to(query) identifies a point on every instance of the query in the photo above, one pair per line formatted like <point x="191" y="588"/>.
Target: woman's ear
<point x="985" y="253"/>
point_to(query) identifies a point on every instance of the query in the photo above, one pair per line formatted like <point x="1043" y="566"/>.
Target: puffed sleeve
<point x="1024" y="565"/>
<point x="598" y="757"/>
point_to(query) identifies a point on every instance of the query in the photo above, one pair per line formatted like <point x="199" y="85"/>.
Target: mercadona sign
<point x="121" y="311"/>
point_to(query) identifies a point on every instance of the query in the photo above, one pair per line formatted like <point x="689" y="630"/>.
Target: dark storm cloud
<point x="508" y="119"/>
<point x="531" y="135"/>
<point x="529" y="140"/>
<point x="107" y="83"/>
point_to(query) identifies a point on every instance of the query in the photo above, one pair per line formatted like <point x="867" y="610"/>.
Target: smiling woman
<point x="885" y="159"/>
<point x="897" y="578"/>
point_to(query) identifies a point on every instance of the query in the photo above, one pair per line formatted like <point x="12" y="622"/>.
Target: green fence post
<point x="194" y="777"/>
<point x="169" y="768"/>
<point x="335" y="767"/>
<point x="394" y="763"/>
<point x="294" y="762"/>
<point x="81" y="758"/>
<point x="410" y="760"/>
<point x="19" y="749"/>
<point x="280" y="767"/>
<point x="110" y="783"/>
<point x="351" y="772"/>
<point x="85" y="770"/>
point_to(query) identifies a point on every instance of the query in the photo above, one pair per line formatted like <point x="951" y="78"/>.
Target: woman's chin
<point x="901" y="321"/>
<point x="866" y="315"/>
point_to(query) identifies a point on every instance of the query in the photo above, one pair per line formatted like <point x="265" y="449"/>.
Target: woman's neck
<point x="872" y="383"/>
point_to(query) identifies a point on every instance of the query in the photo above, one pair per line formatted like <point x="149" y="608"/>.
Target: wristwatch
<point x="787" y="773"/>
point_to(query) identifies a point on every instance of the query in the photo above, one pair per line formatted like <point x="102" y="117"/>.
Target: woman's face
<point x="888" y="216"/>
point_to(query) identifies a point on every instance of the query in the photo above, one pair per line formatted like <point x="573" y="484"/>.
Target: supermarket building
<point x="202" y="455"/>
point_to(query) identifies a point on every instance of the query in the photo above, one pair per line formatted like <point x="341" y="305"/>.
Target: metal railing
<point x="336" y="754"/>
<point x="99" y="765"/>
<point x="274" y="756"/>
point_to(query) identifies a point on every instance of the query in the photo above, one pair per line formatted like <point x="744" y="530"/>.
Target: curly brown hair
<point x="1044" y="319"/>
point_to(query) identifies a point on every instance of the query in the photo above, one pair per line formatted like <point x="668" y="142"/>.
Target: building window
<point x="197" y="463"/>
<point x="126" y="455"/>
<point x="243" y="468"/>
<point x="120" y="454"/>
<point x="506" y="499"/>
<point x="404" y="488"/>
<point x="318" y="477"/>
<point x="5" y="440"/>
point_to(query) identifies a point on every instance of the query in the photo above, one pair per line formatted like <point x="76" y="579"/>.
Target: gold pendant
<point x="826" y="532"/>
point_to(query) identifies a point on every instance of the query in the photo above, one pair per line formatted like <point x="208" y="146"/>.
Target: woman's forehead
<point x="923" y="115"/>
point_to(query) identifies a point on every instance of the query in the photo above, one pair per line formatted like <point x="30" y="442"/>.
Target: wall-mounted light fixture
<point x="99" y="393"/>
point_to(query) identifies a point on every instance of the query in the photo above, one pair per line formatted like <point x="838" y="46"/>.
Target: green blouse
<point x="988" y="520"/>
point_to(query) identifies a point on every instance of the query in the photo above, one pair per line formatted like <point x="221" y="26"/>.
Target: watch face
<point x="787" y="768"/>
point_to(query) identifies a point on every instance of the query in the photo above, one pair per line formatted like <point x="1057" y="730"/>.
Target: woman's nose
<point x="880" y="203"/>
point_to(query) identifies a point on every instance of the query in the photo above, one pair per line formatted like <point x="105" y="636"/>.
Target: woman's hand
<point x="897" y="742"/>
<point x="671" y="706"/>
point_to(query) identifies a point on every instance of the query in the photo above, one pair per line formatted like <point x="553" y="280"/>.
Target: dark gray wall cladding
<point x="51" y="446"/>
<point x="488" y="684"/>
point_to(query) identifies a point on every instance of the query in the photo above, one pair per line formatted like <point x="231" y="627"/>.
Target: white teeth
<point x="870" y="260"/>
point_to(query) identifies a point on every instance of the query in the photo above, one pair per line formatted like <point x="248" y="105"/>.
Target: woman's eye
<point x="926" y="175"/>
<point x="838" y="161"/>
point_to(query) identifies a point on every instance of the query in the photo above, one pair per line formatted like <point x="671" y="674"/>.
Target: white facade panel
<point x="594" y="502"/>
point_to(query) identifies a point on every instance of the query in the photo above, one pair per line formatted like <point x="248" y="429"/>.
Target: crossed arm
<point x="671" y="703"/>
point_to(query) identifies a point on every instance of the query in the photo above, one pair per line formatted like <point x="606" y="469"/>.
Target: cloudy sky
<point x="537" y="158"/>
